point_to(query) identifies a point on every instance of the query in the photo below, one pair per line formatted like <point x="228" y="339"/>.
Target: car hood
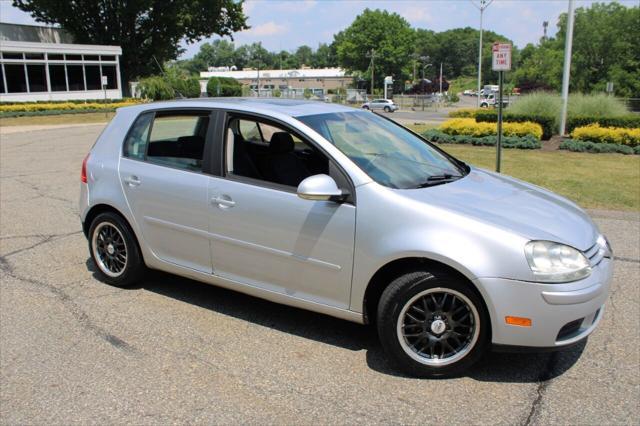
<point x="512" y="205"/>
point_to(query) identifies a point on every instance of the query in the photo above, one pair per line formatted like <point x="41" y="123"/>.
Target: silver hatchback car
<point x="387" y="105"/>
<point x="344" y="212"/>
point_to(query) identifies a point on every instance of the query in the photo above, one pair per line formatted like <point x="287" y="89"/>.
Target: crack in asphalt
<point x="544" y="380"/>
<point x="626" y="259"/>
<point x="45" y="239"/>
<point x="76" y="311"/>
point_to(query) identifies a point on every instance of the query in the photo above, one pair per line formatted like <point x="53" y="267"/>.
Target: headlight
<point x="556" y="263"/>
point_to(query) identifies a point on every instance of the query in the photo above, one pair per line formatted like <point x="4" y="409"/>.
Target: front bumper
<point x="561" y="314"/>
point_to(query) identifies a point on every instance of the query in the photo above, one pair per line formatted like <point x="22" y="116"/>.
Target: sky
<point x="287" y="24"/>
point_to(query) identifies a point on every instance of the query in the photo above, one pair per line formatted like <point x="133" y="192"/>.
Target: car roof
<point x="290" y="107"/>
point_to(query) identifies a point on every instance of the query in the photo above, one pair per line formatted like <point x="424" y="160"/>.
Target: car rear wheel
<point x="114" y="250"/>
<point x="432" y="324"/>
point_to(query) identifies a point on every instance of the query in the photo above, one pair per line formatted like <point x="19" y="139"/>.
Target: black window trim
<point x="208" y="145"/>
<point x="220" y="161"/>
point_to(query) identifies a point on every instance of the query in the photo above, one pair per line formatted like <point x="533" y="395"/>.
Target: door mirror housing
<point x="320" y="188"/>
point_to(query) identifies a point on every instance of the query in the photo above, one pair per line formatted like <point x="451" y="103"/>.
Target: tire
<point x="387" y="109"/>
<point x="412" y="341"/>
<point x="365" y="107"/>
<point x="110" y="238"/>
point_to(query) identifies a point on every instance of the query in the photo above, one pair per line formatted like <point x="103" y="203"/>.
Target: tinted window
<point x="136" y="144"/>
<point x="37" y="78"/>
<point x="109" y="71"/>
<point x="74" y="57"/>
<point x="108" y="58"/>
<point x="34" y="55"/>
<point x="177" y="140"/>
<point x="55" y="57"/>
<point x="388" y="153"/>
<point x="12" y="55"/>
<point x="76" y="79"/>
<point x="92" y="74"/>
<point x="16" y="81"/>
<point x="57" y="78"/>
<point x="91" y="57"/>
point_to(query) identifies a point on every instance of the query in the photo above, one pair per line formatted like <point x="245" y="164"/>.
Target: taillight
<point x="83" y="172"/>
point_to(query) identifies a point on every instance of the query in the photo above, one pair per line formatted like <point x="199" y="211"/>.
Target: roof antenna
<point x="165" y="76"/>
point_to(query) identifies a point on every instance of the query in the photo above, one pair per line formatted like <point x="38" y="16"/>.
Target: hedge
<point x="465" y="112"/>
<point x="596" y="148"/>
<point x="64" y="106"/>
<point x="626" y="121"/>
<point x="469" y="127"/>
<point x="524" y="142"/>
<point x="76" y="101"/>
<point x="51" y="112"/>
<point x="546" y="122"/>
<point x="224" y="86"/>
<point x="614" y="135"/>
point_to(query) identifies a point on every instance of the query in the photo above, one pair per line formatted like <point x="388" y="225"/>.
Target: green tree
<point x="304" y="54"/>
<point x="388" y="34"/>
<point x="144" y="28"/>
<point x="324" y="56"/>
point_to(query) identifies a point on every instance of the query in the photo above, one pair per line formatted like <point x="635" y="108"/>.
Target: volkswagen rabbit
<point x="344" y="212"/>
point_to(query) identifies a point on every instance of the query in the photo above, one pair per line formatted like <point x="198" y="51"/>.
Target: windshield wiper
<point x="438" y="180"/>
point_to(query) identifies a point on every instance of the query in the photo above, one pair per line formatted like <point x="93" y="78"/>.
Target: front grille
<point x="570" y="329"/>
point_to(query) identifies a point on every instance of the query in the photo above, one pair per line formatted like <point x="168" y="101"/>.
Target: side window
<point x="177" y="139"/>
<point x="136" y="144"/>
<point x="271" y="153"/>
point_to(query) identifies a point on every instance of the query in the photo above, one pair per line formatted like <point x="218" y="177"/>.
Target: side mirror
<point x="320" y="188"/>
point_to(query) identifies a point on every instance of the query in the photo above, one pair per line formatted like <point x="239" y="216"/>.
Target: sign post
<point x="105" y="81"/>
<point x="501" y="62"/>
<point x="387" y="81"/>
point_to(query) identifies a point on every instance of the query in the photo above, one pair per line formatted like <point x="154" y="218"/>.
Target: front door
<point x="262" y="233"/>
<point x="161" y="173"/>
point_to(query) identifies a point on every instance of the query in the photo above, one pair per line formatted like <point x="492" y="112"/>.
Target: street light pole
<point x="568" y="44"/>
<point x="481" y="5"/>
<point x="372" y="55"/>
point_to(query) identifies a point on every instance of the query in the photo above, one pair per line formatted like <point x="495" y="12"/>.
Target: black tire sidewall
<point x="398" y="293"/>
<point x="134" y="266"/>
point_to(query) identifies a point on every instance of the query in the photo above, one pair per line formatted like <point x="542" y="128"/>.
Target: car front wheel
<point x="114" y="250"/>
<point x="387" y="109"/>
<point x="432" y="324"/>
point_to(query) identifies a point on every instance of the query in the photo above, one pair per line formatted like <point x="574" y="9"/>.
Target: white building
<point x="42" y="64"/>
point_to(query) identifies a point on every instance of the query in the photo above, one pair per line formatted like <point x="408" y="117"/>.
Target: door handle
<point x="223" y="201"/>
<point x="132" y="181"/>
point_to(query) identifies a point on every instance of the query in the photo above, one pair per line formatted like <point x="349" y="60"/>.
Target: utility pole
<point x="440" y="78"/>
<point x="568" y="44"/>
<point x="481" y="5"/>
<point x="372" y="55"/>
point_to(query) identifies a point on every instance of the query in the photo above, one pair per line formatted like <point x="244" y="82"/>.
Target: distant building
<point x="319" y="81"/>
<point x="42" y="63"/>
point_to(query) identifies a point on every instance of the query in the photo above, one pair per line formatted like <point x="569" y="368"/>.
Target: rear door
<point x="162" y="175"/>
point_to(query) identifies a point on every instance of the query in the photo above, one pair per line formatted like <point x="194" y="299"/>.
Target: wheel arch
<point x="385" y="274"/>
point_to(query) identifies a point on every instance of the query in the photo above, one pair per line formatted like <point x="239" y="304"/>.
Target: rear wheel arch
<point x="104" y="208"/>
<point x="387" y="273"/>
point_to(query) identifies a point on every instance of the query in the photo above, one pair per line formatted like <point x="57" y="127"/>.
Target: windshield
<point x="388" y="153"/>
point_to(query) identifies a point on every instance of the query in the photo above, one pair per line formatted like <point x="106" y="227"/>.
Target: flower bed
<point x="469" y="127"/>
<point x="65" y="106"/>
<point x="597" y="148"/>
<point x="611" y="135"/>
<point x="520" y="142"/>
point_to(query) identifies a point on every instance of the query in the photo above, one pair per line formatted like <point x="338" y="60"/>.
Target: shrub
<point x="615" y="135"/>
<point x="545" y="122"/>
<point x="155" y="88"/>
<point x="188" y="87"/>
<point x="64" y="106"/>
<point x="596" y="148"/>
<point x="224" y="86"/>
<point x="465" y="112"/>
<point x="519" y="142"/>
<point x="453" y="98"/>
<point x="277" y="93"/>
<point x="626" y="121"/>
<point x="307" y="93"/>
<point x="469" y="127"/>
<point x="550" y="104"/>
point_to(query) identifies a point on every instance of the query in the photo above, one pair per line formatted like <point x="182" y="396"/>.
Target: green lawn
<point x="606" y="181"/>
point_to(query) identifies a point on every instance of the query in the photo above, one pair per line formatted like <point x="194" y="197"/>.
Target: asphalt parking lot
<point x="74" y="350"/>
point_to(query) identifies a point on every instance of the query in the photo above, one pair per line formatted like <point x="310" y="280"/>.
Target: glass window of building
<point x="37" y="78"/>
<point x="92" y="73"/>
<point x="76" y="80"/>
<point x="91" y="57"/>
<point x="12" y="55"/>
<point x="73" y="57"/>
<point x="109" y="71"/>
<point x="34" y="55"/>
<point x="16" y="81"/>
<point x="55" y="56"/>
<point x="57" y="78"/>
<point x="108" y="58"/>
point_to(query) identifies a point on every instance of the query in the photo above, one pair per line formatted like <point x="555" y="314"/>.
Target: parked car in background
<point x="384" y="104"/>
<point x="346" y="213"/>
<point x="469" y="92"/>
